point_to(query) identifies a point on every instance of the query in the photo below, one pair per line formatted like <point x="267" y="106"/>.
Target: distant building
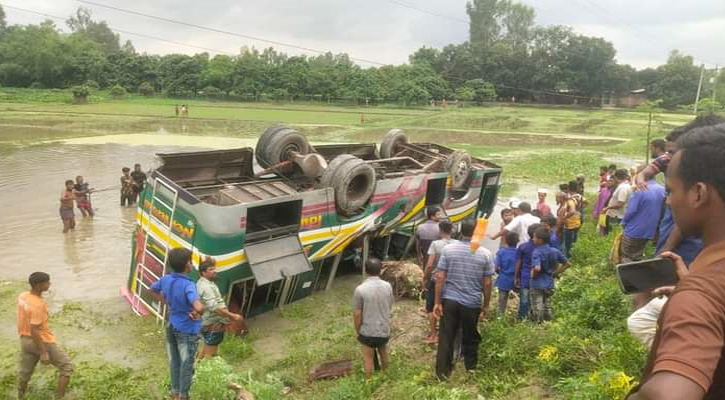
<point x="633" y="99"/>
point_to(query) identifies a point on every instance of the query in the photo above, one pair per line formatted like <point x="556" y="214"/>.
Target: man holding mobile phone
<point x="686" y="359"/>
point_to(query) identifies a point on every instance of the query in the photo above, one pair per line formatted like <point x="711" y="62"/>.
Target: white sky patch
<point x="643" y="32"/>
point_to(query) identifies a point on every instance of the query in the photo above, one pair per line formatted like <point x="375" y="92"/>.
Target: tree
<point x="219" y="74"/>
<point x="483" y="91"/>
<point x="485" y="18"/>
<point x="118" y="92"/>
<point x="146" y="89"/>
<point x="80" y="94"/>
<point x="3" y="24"/>
<point x="82" y="23"/>
<point x="465" y="93"/>
<point x="677" y="81"/>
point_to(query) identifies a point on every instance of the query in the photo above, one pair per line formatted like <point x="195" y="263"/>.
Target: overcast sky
<point x="643" y="31"/>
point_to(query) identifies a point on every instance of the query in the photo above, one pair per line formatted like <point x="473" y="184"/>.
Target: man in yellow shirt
<point x="37" y="342"/>
<point x="569" y="219"/>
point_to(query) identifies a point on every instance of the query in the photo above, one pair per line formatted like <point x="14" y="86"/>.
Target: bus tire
<point x="458" y="165"/>
<point x="262" y="143"/>
<point x="276" y="147"/>
<point x="390" y="142"/>
<point x="329" y="172"/>
<point x="353" y="182"/>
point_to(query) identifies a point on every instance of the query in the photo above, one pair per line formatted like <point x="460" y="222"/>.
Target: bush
<point x="93" y="85"/>
<point x="118" y="92"/>
<point x="211" y="91"/>
<point x="80" y="94"/>
<point x="146" y="89"/>
<point x="280" y="94"/>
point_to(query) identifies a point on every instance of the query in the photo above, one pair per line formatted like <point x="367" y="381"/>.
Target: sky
<point x="388" y="31"/>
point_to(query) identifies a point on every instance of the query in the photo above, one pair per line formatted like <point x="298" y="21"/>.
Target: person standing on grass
<point x="521" y="222"/>
<point x="505" y="268"/>
<point x="216" y="316"/>
<point x="426" y="233"/>
<point x="83" y="196"/>
<point x="66" y="207"/>
<point x="570" y="220"/>
<point x="544" y="261"/>
<point x="640" y="221"/>
<point x="507" y="215"/>
<point x="522" y="273"/>
<point x="686" y="359"/>
<point x="462" y="277"/>
<point x="434" y="252"/>
<point x="541" y="206"/>
<point x="550" y="223"/>
<point x="179" y="294"/>
<point x="372" y="306"/>
<point x="37" y="342"/>
<point x="127" y="190"/>
<point x="617" y="205"/>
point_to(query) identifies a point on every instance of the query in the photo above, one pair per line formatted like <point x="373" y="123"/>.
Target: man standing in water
<point x="83" y="196"/>
<point x="37" y="342"/>
<point x="127" y="189"/>
<point x="372" y="306"/>
<point x="216" y="316"/>
<point x="182" y="332"/>
<point x="66" y="207"/>
<point x="139" y="181"/>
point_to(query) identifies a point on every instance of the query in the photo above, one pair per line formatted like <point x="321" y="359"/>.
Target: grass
<point x="585" y="353"/>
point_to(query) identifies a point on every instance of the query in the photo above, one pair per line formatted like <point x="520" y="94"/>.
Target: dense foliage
<point x="508" y="58"/>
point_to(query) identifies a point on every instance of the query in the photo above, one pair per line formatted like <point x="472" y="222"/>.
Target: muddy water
<point x="90" y="263"/>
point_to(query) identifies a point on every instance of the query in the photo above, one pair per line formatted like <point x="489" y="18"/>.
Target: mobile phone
<point x="645" y="275"/>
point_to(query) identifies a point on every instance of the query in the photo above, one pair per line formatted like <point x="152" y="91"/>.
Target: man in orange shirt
<point x="37" y="342"/>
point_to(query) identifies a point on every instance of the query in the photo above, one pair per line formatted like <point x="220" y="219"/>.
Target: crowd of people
<point x="683" y="325"/>
<point x="79" y="192"/>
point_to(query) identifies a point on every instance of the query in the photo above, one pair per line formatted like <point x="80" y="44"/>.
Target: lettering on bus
<point x="311" y="222"/>
<point x="176" y="226"/>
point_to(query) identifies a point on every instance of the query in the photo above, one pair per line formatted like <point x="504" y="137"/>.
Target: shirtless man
<point x="66" y="207"/>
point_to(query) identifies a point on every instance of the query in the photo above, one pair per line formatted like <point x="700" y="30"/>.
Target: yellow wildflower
<point x="548" y="354"/>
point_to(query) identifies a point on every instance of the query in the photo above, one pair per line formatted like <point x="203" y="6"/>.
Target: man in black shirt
<point x="139" y="180"/>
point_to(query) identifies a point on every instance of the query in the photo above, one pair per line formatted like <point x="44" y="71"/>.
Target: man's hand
<point x="45" y="358"/>
<point x="194" y="315"/>
<point x="438" y="311"/>
<point x="680" y="266"/>
<point x="236" y="317"/>
<point x="483" y="315"/>
<point x="663" y="291"/>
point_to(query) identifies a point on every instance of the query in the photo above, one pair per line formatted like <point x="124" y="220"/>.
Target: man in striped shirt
<point x="462" y="277"/>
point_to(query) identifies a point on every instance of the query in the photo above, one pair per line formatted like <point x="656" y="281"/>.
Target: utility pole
<point x="699" y="87"/>
<point x="649" y="130"/>
<point x="714" y="83"/>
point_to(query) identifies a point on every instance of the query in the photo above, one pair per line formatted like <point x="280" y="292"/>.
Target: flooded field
<point x="90" y="263"/>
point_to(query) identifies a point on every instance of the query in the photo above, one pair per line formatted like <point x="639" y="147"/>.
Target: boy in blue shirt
<point x="544" y="269"/>
<point x="549" y="223"/>
<point x="522" y="274"/>
<point x="505" y="268"/>
<point x="179" y="293"/>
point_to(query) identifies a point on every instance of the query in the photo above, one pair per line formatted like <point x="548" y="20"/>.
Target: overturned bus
<point x="278" y="228"/>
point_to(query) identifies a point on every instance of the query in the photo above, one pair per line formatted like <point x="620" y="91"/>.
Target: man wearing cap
<point x="521" y="222"/>
<point x="544" y="209"/>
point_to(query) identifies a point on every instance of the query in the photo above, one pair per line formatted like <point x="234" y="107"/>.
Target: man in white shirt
<point x="521" y="222"/>
<point x="620" y="198"/>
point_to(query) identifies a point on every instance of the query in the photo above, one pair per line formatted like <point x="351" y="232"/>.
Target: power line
<point x="225" y="32"/>
<point x="433" y="13"/>
<point x="141" y="35"/>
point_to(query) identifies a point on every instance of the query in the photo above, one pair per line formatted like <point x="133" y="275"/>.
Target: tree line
<point x="507" y="57"/>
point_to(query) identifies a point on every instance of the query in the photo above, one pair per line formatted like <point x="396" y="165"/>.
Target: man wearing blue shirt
<point x="544" y="261"/>
<point x="182" y="331"/>
<point x="462" y="277"/>
<point x="522" y="273"/>
<point x="640" y="221"/>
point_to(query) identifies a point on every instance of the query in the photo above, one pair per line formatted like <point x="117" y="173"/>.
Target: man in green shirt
<point x="216" y="316"/>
